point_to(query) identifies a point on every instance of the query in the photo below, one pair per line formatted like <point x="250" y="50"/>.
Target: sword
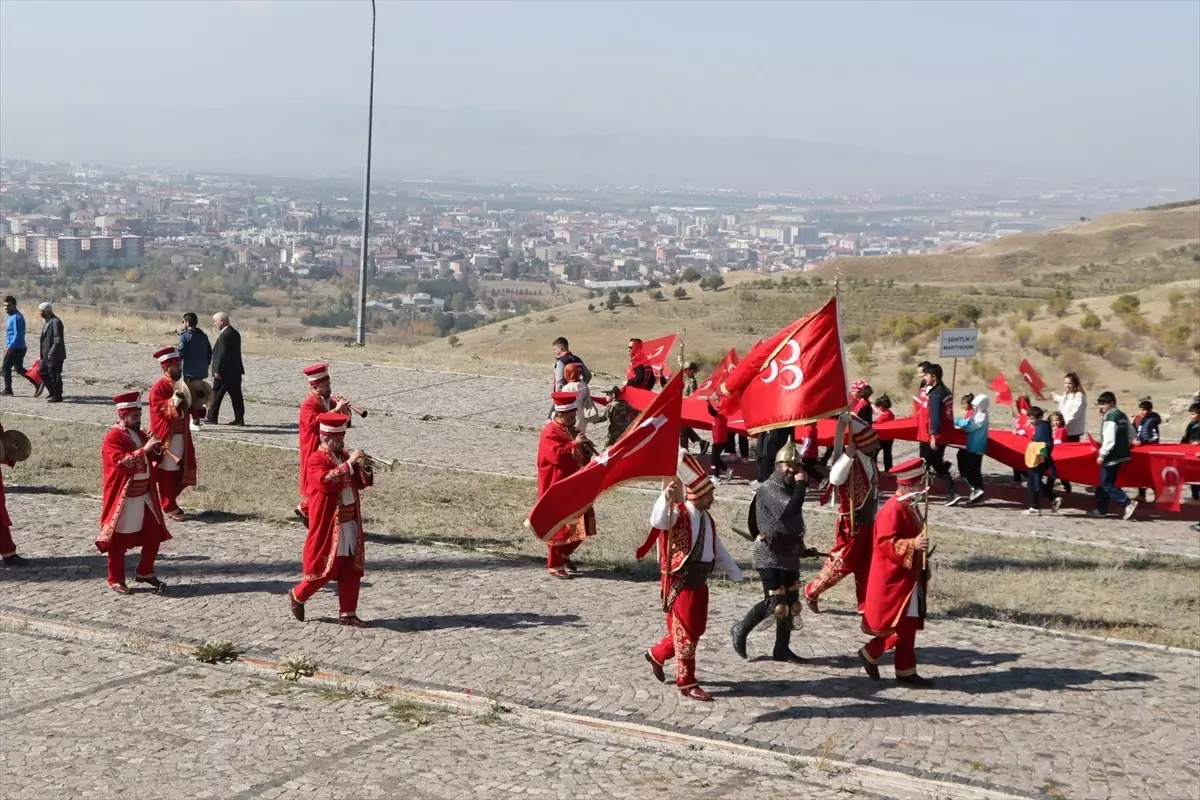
<point x="744" y="534"/>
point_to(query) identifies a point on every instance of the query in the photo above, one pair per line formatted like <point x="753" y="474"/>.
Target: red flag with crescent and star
<point x="713" y="382"/>
<point x="795" y="377"/>
<point x="648" y="449"/>
<point x="1167" y="471"/>
<point x="654" y="353"/>
<point x="1004" y="395"/>
<point x="1032" y="378"/>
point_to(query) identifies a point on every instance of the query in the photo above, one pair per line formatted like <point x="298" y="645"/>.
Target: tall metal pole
<point x="361" y="334"/>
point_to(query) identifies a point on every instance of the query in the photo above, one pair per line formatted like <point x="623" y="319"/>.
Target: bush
<point x="1024" y="334"/>
<point x="626" y="300"/>
<point x="1119" y="357"/>
<point x="680" y="293"/>
<point x="1047" y="344"/>
<point x="690" y="275"/>
<point x="1126" y="304"/>
<point x="453" y="341"/>
<point x="656" y="294"/>
<point x="1058" y="305"/>
<point x="1090" y="321"/>
<point x="1148" y="368"/>
<point x="907" y="377"/>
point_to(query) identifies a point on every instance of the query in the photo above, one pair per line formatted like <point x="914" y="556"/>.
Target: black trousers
<point x="743" y="445"/>
<point x="970" y="466"/>
<point x="718" y="463"/>
<point x="886" y="449"/>
<point x="13" y="359"/>
<point x="51" y="372"/>
<point x="231" y="385"/>
<point x="769" y="445"/>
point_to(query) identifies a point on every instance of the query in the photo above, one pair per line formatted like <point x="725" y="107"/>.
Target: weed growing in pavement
<point x="495" y="712"/>
<point x="339" y="691"/>
<point x="406" y="709"/>
<point x="1054" y="789"/>
<point x="220" y="652"/>
<point x="134" y="643"/>
<point x="294" y="667"/>
<point x="796" y="765"/>
<point x="825" y="754"/>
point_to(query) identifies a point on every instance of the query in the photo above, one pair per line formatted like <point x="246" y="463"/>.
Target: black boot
<point x="783" y="638"/>
<point x="741" y="630"/>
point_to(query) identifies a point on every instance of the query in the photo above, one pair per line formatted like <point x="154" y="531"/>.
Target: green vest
<point x="1120" y="451"/>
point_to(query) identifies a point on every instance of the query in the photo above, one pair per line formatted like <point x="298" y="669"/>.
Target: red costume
<point x="334" y="549"/>
<point x="560" y="456"/>
<point x="310" y="439"/>
<point x="688" y="551"/>
<point x="896" y="590"/>
<point x="130" y="515"/>
<point x="851" y="553"/>
<point x="169" y="423"/>
<point x="8" y="548"/>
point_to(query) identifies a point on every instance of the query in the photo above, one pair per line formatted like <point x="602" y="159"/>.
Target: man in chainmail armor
<point x="777" y="521"/>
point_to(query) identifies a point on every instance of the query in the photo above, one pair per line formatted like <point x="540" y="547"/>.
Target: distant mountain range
<point x="482" y="145"/>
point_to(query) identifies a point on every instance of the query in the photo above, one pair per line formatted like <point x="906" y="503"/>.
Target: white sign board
<point x="959" y="343"/>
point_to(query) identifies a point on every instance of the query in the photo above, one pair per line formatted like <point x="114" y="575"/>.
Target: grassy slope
<point x="1051" y="583"/>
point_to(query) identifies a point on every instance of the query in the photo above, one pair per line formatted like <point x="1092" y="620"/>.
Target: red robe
<point x="896" y="568"/>
<point x="310" y="434"/>
<point x="7" y="548"/>
<point x="559" y="457"/>
<point x="326" y="479"/>
<point x="166" y="421"/>
<point x="120" y="461"/>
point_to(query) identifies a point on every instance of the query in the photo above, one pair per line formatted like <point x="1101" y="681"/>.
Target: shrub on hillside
<point x="1126" y="304"/>
<point x="1148" y="368"/>
<point x="1090" y="321"/>
<point x="1119" y="357"/>
<point x="1047" y="345"/>
<point x="680" y="293"/>
<point x="1024" y="334"/>
<point x="907" y="377"/>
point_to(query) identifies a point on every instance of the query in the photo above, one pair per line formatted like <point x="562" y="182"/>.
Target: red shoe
<point x="696" y="693"/>
<point x="119" y="588"/>
<point x="657" y="669"/>
<point x="561" y="574"/>
<point x="352" y="621"/>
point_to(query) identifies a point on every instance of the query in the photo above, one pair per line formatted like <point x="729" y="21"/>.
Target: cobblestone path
<point x="1020" y="712"/>
<point x="432" y="418"/>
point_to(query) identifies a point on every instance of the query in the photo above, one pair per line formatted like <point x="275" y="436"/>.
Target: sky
<point x="1075" y="88"/>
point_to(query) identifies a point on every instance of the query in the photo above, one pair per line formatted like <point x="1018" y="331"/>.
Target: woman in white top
<point x="1073" y="407"/>
<point x="588" y="410"/>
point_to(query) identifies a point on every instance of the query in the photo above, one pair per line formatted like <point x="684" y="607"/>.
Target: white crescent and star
<point x="789" y="367"/>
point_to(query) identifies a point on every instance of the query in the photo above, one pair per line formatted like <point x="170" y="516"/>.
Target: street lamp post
<point x="360" y="337"/>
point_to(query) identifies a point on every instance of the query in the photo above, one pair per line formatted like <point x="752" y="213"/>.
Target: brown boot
<point x="297" y="606"/>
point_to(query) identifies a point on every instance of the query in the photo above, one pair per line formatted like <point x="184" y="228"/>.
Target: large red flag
<point x="795" y="377"/>
<point x="728" y="362"/>
<point x="649" y="448"/>
<point x="654" y="352"/>
<point x="1167" y="472"/>
<point x="1004" y="396"/>
<point x="1032" y="378"/>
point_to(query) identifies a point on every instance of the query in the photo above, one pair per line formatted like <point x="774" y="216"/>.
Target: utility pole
<point x="360" y="337"/>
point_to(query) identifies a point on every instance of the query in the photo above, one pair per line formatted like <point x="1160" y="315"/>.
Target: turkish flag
<point x="1000" y="386"/>
<point x="1032" y="378"/>
<point x="654" y="353"/>
<point x="1167" y="472"/>
<point x="649" y="448"/>
<point x="796" y="376"/>
<point x="706" y="389"/>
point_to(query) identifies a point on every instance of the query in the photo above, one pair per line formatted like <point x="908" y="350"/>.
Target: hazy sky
<point x="1095" y="84"/>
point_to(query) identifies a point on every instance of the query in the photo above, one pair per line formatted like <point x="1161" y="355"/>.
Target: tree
<point x="656" y="294"/>
<point x="863" y="358"/>
<point x="626" y="300"/>
<point x="907" y="377"/>
<point x="1126" y="304"/>
<point x="970" y="312"/>
<point x="680" y="293"/>
<point x="716" y="281"/>
<point x="1090" y="321"/>
<point x="1058" y="305"/>
<point x="690" y="275"/>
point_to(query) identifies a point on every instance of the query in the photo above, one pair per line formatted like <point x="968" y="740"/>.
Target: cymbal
<point x="17" y="446"/>
<point x="1" y="449"/>
<point x="182" y="388"/>
<point x="202" y="393"/>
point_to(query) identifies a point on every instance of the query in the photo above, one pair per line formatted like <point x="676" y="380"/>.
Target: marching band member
<point x="319" y="401"/>
<point x="131" y="515"/>
<point x="8" y="548"/>
<point x="334" y="549"/>
<point x="688" y="551"/>
<point x="563" y="451"/>
<point x="169" y="422"/>
<point x="897" y="587"/>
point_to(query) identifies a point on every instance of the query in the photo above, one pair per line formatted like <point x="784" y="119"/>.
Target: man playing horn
<point x="335" y="547"/>
<point x="131" y="515"/>
<point x="169" y="414"/>
<point x="563" y="451"/>
<point x="776" y="554"/>
<point x="317" y="403"/>
<point x="854" y="483"/>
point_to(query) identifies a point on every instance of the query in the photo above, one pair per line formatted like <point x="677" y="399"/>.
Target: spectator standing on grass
<point x="1146" y="425"/>
<point x="1041" y="469"/>
<point x="14" y="345"/>
<point x="195" y="351"/>
<point x="227" y="371"/>
<point x="53" y="353"/>
<point x="1115" y="449"/>
<point x="974" y="424"/>
<point x="564" y="356"/>
<point x="1073" y="407"/>
<point x="1192" y="436"/>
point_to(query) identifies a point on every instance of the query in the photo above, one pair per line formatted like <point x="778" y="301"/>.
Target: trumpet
<point x="376" y="463"/>
<point x="337" y="398"/>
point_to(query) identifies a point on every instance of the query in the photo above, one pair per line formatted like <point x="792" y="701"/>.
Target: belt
<point x="696" y="574"/>
<point x="347" y="514"/>
<point x="137" y="488"/>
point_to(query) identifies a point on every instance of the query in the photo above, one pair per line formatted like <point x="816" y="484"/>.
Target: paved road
<point x="1015" y="710"/>
<point x="432" y="418"/>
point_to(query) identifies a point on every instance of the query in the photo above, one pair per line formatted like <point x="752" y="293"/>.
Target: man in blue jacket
<point x="14" y="345"/>
<point x="195" y="350"/>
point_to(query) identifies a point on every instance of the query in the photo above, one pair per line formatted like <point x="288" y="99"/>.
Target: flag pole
<point x="837" y="279"/>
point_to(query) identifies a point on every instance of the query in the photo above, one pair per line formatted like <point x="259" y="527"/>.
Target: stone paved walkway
<point x="431" y="418"/>
<point x="1021" y="712"/>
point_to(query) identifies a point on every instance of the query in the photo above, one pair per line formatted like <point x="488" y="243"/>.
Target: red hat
<point x="333" y="423"/>
<point x="565" y="401"/>
<point x="909" y="472"/>
<point x="317" y="373"/>
<point x="128" y="401"/>
<point x="693" y="474"/>
<point x="166" y="355"/>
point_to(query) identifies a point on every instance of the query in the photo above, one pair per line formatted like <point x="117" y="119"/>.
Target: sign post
<point x="958" y="343"/>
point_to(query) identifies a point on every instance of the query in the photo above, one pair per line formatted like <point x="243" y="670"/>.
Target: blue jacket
<point x="196" y="352"/>
<point x="976" y="426"/>
<point x="14" y="332"/>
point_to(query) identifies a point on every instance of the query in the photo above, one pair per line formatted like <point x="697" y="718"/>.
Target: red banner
<point x="999" y="386"/>
<point x="710" y="385"/>
<point x="1032" y="378"/>
<point x="1167" y="471"/>
<point x="649" y="448"/>
<point x="796" y="376"/>
<point x="654" y="353"/>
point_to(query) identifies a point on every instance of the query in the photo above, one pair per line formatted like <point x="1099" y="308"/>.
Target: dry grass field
<point x="1061" y="585"/>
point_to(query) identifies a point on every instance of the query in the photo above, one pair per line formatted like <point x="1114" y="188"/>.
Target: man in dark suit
<point x="227" y="370"/>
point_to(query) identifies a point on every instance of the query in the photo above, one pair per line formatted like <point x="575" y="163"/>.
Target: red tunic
<point x="166" y="421"/>
<point x="326" y="480"/>
<point x="884" y="415"/>
<point x="896" y="567"/>
<point x="121" y="460"/>
<point x="559" y="457"/>
<point x="310" y="434"/>
<point x="675" y="549"/>
<point x="5" y="522"/>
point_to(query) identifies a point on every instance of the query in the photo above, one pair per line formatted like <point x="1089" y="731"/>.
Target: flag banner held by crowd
<point x="654" y="353"/>
<point x="796" y="376"/>
<point x="1032" y="378"/>
<point x="1167" y="471"/>
<point x="648" y="449"/>
<point x="1002" y="391"/>
<point x="713" y="383"/>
